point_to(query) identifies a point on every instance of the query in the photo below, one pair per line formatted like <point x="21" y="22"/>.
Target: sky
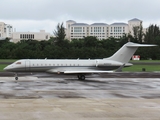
<point x="36" y="15"/>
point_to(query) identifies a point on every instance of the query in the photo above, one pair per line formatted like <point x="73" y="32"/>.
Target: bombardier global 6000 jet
<point x="79" y="67"/>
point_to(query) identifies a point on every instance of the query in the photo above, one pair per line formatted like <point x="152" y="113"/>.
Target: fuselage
<point x="44" y="65"/>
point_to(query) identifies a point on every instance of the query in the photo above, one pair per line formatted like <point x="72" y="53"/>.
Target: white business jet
<point x="77" y="66"/>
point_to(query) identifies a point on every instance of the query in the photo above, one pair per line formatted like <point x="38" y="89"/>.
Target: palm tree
<point x="59" y="34"/>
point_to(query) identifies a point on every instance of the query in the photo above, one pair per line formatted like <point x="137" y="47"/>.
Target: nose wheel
<point x="16" y="77"/>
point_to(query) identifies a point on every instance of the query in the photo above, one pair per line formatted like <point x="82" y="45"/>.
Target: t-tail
<point x="125" y="53"/>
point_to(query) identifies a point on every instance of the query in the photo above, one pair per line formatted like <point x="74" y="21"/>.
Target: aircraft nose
<point x="6" y="68"/>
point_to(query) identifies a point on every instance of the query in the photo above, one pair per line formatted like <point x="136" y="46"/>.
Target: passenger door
<point x="27" y="63"/>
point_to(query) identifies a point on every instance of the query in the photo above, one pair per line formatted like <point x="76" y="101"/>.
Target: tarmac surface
<point x="120" y="96"/>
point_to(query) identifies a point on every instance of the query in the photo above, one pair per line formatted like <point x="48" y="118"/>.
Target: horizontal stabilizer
<point x="140" y="45"/>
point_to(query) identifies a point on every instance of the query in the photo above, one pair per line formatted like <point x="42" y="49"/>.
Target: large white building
<point x="100" y="30"/>
<point x="42" y="35"/>
<point x="5" y="30"/>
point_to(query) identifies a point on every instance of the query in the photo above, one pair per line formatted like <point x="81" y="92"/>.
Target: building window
<point x="46" y="36"/>
<point x="77" y="29"/>
<point x="32" y="36"/>
<point x="4" y="29"/>
<point x="69" y="26"/>
<point x="28" y="36"/>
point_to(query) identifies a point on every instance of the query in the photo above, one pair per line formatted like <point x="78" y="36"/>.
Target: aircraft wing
<point x="69" y="71"/>
<point x="86" y="72"/>
<point x="81" y="71"/>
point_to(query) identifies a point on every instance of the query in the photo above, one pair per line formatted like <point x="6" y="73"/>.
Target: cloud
<point x="79" y="9"/>
<point x="33" y="15"/>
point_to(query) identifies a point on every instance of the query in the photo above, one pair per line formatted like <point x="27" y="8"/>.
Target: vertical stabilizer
<point x="125" y="53"/>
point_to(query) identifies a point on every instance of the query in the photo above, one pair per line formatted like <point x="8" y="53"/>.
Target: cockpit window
<point x="18" y="62"/>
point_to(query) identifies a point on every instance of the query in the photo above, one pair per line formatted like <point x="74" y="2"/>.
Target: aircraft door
<point x="27" y="63"/>
<point x="96" y="63"/>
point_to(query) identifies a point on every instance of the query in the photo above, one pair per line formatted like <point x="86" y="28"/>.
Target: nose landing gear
<point x="16" y="77"/>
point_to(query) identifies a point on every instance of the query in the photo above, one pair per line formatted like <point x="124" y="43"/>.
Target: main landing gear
<point x="81" y="76"/>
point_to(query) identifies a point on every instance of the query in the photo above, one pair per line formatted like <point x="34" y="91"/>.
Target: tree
<point x="138" y="33"/>
<point x="90" y="41"/>
<point x="59" y="34"/>
<point x="152" y="33"/>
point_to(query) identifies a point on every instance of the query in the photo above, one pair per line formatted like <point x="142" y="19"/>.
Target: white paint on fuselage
<point x="62" y="65"/>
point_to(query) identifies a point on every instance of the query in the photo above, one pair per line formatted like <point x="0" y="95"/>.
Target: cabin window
<point x="57" y="64"/>
<point x="18" y="63"/>
<point x="61" y="64"/>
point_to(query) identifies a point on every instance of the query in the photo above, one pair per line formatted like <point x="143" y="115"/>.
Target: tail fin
<point x="125" y="53"/>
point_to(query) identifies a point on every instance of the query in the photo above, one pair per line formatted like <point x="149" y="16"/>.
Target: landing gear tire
<point x="16" y="78"/>
<point x="81" y="77"/>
